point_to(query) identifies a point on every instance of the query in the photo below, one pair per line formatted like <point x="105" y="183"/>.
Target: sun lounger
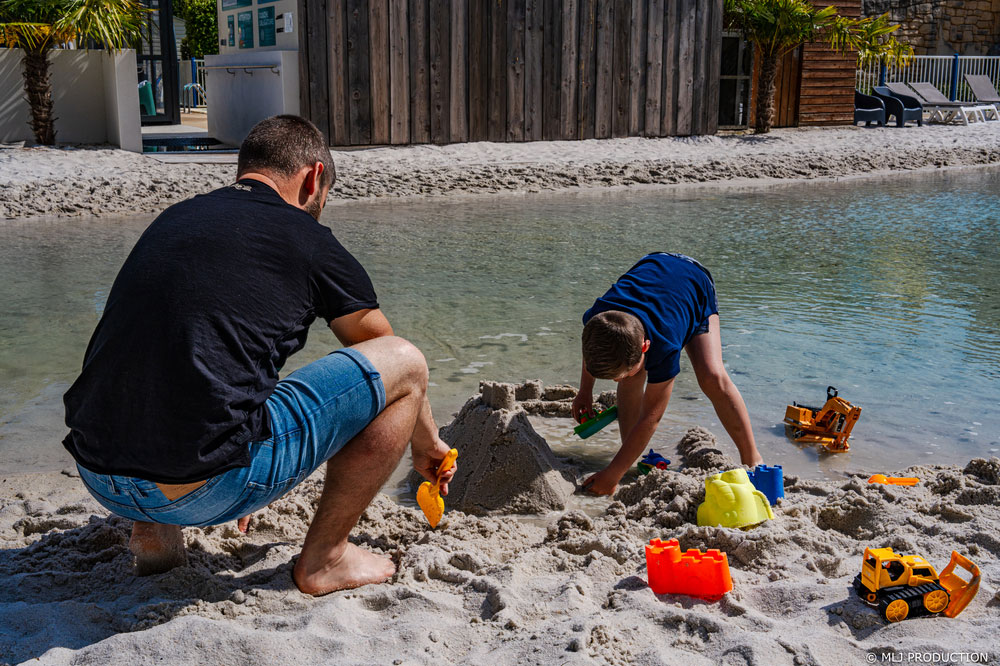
<point x="982" y="87"/>
<point x="944" y="109"/>
<point x="868" y="109"/>
<point x="904" y="107"/>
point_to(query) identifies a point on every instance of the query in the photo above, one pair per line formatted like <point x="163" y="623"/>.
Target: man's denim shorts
<point x="314" y="412"/>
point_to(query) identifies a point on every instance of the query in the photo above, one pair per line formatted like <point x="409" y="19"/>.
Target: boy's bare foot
<point x="157" y="548"/>
<point x="353" y="568"/>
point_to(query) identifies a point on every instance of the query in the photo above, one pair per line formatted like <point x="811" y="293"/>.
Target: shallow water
<point x="884" y="289"/>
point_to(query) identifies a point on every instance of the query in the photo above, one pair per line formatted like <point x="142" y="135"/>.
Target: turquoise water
<point x="884" y="289"/>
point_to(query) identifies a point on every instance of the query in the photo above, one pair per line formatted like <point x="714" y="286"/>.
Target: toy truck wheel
<point x="896" y="611"/>
<point x="871" y="597"/>
<point x="936" y="601"/>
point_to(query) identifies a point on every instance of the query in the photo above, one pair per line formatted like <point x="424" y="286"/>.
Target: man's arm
<point x="360" y="326"/>
<point x="427" y="448"/>
<point x="654" y="404"/>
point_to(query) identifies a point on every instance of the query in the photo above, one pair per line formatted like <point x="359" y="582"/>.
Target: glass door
<point x="734" y="86"/>
<point x="157" y="67"/>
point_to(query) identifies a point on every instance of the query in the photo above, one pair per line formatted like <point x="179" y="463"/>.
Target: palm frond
<point x="115" y="24"/>
<point x="30" y="36"/>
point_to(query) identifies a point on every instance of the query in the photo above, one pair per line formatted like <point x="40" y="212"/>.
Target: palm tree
<point x="778" y="26"/>
<point x="38" y="26"/>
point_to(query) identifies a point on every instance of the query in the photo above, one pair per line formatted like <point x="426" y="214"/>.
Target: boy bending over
<point x="634" y="334"/>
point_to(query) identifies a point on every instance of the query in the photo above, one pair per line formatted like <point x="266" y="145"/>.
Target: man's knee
<point x="402" y="366"/>
<point x="412" y="359"/>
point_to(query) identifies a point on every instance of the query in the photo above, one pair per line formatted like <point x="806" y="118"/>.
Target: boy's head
<point x="613" y="345"/>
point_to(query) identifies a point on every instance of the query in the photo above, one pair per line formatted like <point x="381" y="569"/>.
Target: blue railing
<point x="947" y="73"/>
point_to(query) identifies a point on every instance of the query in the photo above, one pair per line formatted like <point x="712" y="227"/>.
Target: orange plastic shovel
<point x="960" y="591"/>
<point x="428" y="494"/>
<point x="894" y="480"/>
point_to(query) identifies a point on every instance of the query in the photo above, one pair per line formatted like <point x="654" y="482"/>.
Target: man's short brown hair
<point x="282" y="145"/>
<point x="612" y="343"/>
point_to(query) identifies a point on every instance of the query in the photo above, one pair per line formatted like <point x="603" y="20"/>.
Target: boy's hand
<point x="583" y="406"/>
<point x="602" y="483"/>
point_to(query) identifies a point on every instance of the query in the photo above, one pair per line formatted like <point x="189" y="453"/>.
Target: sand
<point x="101" y="182"/>
<point x="563" y="585"/>
<point x="559" y="587"/>
<point x="506" y="467"/>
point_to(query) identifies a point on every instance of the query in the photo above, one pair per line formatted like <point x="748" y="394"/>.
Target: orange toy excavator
<point x="829" y="426"/>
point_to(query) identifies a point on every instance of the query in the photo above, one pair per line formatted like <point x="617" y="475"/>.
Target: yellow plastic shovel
<point x="428" y="494"/>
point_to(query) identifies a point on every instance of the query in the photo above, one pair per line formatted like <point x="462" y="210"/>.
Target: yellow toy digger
<point x="829" y="426"/>
<point x="903" y="586"/>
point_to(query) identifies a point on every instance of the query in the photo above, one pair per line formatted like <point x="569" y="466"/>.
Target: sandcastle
<point x="504" y="466"/>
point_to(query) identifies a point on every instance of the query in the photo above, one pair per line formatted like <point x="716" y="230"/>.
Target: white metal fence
<point x="192" y="79"/>
<point x="942" y="71"/>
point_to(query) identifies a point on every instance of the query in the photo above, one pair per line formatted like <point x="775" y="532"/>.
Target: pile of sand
<point x="568" y="590"/>
<point x="505" y="467"/>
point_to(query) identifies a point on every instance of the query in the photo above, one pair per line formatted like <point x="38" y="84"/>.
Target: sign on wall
<point x="232" y="4"/>
<point x="265" y="25"/>
<point x="245" y="22"/>
<point x="231" y="24"/>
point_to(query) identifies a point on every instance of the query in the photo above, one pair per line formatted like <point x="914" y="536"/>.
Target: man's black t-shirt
<point x="216" y="294"/>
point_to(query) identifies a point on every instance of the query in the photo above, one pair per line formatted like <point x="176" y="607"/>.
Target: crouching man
<point x="178" y="417"/>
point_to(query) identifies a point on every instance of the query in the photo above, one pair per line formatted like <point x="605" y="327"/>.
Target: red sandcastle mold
<point x="696" y="574"/>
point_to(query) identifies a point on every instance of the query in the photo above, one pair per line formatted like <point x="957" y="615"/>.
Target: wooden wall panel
<point x="533" y="62"/>
<point x="637" y="68"/>
<point x="551" y="61"/>
<point x="420" y="82"/>
<point x="604" y="62"/>
<point x="497" y="109"/>
<point x="516" y="11"/>
<point x="442" y="71"/>
<point x="568" y="68"/>
<point x="459" y="71"/>
<point x="714" y="69"/>
<point x="587" y="104"/>
<point x="671" y="75"/>
<point x="358" y="73"/>
<point x="826" y="92"/>
<point x="479" y="70"/>
<point x="378" y="22"/>
<point x="399" y="73"/>
<point x="622" y="74"/>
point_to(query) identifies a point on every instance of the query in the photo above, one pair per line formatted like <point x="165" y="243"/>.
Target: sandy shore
<point x="565" y="587"/>
<point x="94" y="182"/>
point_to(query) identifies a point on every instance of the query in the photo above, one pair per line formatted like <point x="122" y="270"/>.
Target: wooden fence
<point x="827" y="80"/>
<point x="442" y="71"/>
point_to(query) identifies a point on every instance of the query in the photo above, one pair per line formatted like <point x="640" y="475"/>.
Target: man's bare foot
<point x="157" y="548"/>
<point x="355" y="567"/>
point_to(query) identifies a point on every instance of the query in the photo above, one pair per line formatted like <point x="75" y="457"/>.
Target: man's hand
<point x="604" y="482"/>
<point x="427" y="459"/>
<point x="583" y="406"/>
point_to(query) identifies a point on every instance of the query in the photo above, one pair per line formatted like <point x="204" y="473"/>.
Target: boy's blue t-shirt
<point x="673" y="296"/>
